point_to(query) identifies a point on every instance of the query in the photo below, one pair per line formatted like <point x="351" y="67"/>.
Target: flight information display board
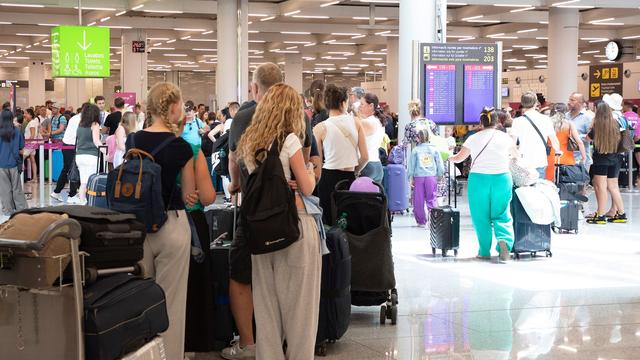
<point x="458" y="80"/>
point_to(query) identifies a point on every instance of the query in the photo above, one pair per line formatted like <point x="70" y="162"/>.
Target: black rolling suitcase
<point x="221" y="221"/>
<point x="570" y="197"/>
<point x="112" y="239"/>
<point x="335" y="295"/>
<point x="529" y="238"/>
<point x="122" y="312"/>
<point x="444" y="223"/>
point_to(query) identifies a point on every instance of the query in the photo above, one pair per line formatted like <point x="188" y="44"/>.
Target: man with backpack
<point x="240" y="294"/>
<point x="58" y="123"/>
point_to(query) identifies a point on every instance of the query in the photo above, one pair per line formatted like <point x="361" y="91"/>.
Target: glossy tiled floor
<point x="584" y="303"/>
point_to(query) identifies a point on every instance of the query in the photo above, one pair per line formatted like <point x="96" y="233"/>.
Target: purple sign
<point x="479" y="90"/>
<point x="440" y="93"/>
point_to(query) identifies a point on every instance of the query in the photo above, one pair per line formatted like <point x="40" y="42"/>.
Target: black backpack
<point x="268" y="209"/>
<point x="220" y="155"/>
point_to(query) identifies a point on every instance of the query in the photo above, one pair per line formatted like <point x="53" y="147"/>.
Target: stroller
<point x="368" y="231"/>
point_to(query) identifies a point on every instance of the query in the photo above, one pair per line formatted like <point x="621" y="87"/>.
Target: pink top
<point x="111" y="147"/>
<point x="635" y="120"/>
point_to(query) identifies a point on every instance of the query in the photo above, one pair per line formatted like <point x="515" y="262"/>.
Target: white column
<point x="133" y="73"/>
<point x="391" y="74"/>
<point x="36" y="82"/>
<point x="75" y="92"/>
<point x="293" y="71"/>
<point x="563" y="53"/>
<point x="412" y="28"/>
<point x="232" y="70"/>
<point x="173" y="77"/>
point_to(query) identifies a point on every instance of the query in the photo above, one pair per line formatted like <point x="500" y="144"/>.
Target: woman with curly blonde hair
<point x="286" y="283"/>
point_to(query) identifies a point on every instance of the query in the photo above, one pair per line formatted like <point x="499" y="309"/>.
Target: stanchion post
<point x="630" y="188"/>
<point x="41" y="170"/>
<point x="50" y="163"/>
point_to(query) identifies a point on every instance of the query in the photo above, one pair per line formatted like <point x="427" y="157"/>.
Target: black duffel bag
<point x="122" y="313"/>
<point x="576" y="174"/>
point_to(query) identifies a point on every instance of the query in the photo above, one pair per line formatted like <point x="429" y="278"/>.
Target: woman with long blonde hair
<point x="128" y="125"/>
<point x="166" y="252"/>
<point x="286" y="283"/>
<point x="565" y="130"/>
<point x="605" y="134"/>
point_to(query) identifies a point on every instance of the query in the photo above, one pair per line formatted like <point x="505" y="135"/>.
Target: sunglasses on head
<point x="188" y="108"/>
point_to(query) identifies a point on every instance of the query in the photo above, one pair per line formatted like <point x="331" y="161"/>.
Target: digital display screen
<point x="440" y="93"/>
<point x="479" y="90"/>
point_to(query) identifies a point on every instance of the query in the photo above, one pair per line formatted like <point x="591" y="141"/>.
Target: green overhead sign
<point x="80" y="51"/>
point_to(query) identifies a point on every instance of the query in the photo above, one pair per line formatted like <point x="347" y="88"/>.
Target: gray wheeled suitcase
<point x="568" y="216"/>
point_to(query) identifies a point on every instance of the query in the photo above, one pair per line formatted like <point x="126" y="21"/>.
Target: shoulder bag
<point x="626" y="143"/>
<point x="483" y="148"/>
<point x="544" y="141"/>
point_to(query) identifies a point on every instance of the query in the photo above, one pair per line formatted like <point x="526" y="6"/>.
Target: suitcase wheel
<point x="517" y="256"/>
<point x="548" y="254"/>
<point x="433" y="251"/>
<point x="555" y="229"/>
<point x="383" y="314"/>
<point x="533" y="254"/>
<point x="444" y="253"/>
<point x="90" y="275"/>
<point x="321" y="350"/>
<point x="394" y="299"/>
<point x="455" y="252"/>
<point x="394" y="315"/>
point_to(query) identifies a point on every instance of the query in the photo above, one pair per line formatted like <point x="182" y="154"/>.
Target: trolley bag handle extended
<point x="455" y="186"/>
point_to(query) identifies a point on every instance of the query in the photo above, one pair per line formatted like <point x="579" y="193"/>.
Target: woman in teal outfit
<point x="490" y="185"/>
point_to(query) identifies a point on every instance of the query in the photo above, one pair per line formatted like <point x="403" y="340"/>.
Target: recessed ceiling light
<point x="185" y="37"/>
<point x="17" y="57"/>
<point x="268" y="18"/>
<point x="171" y="41"/>
<point x="91" y="23"/>
<point x="526" y="31"/>
<point x="207" y="32"/>
<point x="158" y="38"/>
<point x="95" y="8"/>
<point x="295" y="32"/>
<point x="523" y="9"/>
<point x="203" y="40"/>
<point x="310" y="17"/>
<point x="29" y="34"/>
<point x="176" y="55"/>
<point x="137" y="7"/>
<point x="367" y="18"/>
<point x="188" y="29"/>
<point x="48" y="24"/>
<point x="22" y="5"/>
<point x="162" y="48"/>
<point x="117" y="26"/>
<point x="105" y="19"/>
<point x="163" y="11"/>
<point x="37" y="51"/>
<point x="330" y="3"/>
<point x="293" y="13"/>
<point x="204" y="49"/>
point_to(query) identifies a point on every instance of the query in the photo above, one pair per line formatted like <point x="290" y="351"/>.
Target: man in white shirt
<point x="69" y="156"/>
<point x="532" y="143"/>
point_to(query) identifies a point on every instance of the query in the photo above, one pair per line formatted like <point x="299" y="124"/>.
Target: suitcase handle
<point x="67" y="228"/>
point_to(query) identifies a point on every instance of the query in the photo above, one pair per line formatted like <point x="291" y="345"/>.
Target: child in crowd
<point x="425" y="168"/>
<point x="448" y="135"/>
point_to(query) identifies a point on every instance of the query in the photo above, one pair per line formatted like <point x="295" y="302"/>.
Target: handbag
<point x="576" y="174"/>
<point x="626" y="143"/>
<point x="521" y="175"/>
<point x="572" y="145"/>
<point x="546" y="145"/>
<point x="74" y="174"/>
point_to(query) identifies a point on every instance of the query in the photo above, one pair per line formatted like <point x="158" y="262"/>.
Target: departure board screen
<point x="458" y="80"/>
<point x="479" y="90"/>
<point x="440" y="104"/>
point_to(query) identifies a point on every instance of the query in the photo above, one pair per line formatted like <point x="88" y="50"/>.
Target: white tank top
<point x="374" y="140"/>
<point x="339" y="151"/>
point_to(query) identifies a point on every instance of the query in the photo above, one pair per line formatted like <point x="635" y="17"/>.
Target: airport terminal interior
<point x="577" y="299"/>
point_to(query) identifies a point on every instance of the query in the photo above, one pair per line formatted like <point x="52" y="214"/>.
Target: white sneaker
<point x="56" y="196"/>
<point x="235" y="351"/>
<point x="75" y="200"/>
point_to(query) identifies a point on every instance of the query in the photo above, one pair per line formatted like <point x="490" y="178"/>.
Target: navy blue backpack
<point x="135" y="187"/>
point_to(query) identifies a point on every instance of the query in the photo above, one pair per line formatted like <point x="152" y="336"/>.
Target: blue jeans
<point x="542" y="172"/>
<point x="373" y="170"/>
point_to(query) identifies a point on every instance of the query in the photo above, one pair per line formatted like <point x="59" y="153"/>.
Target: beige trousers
<point x="166" y="259"/>
<point x="286" y="296"/>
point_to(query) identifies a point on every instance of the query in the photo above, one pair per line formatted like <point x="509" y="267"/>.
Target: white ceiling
<point x="352" y="33"/>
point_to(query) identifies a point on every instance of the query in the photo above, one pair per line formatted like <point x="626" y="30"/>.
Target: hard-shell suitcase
<point x="444" y="223"/>
<point x="568" y="216"/>
<point x="122" y="313"/>
<point x="112" y="239"/>
<point x="398" y="185"/>
<point x="223" y="230"/>
<point x="39" y="319"/>
<point x="528" y="237"/>
<point x="335" y="295"/>
<point x="97" y="185"/>
<point x="153" y="350"/>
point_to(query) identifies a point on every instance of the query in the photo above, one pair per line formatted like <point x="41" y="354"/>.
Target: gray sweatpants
<point x="11" y="194"/>
<point x="286" y="296"/>
<point x="166" y="259"/>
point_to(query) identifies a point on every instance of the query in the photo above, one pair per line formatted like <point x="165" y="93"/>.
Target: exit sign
<point x="80" y="51"/>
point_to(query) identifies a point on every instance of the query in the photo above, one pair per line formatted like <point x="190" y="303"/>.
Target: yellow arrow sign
<point x="597" y="74"/>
